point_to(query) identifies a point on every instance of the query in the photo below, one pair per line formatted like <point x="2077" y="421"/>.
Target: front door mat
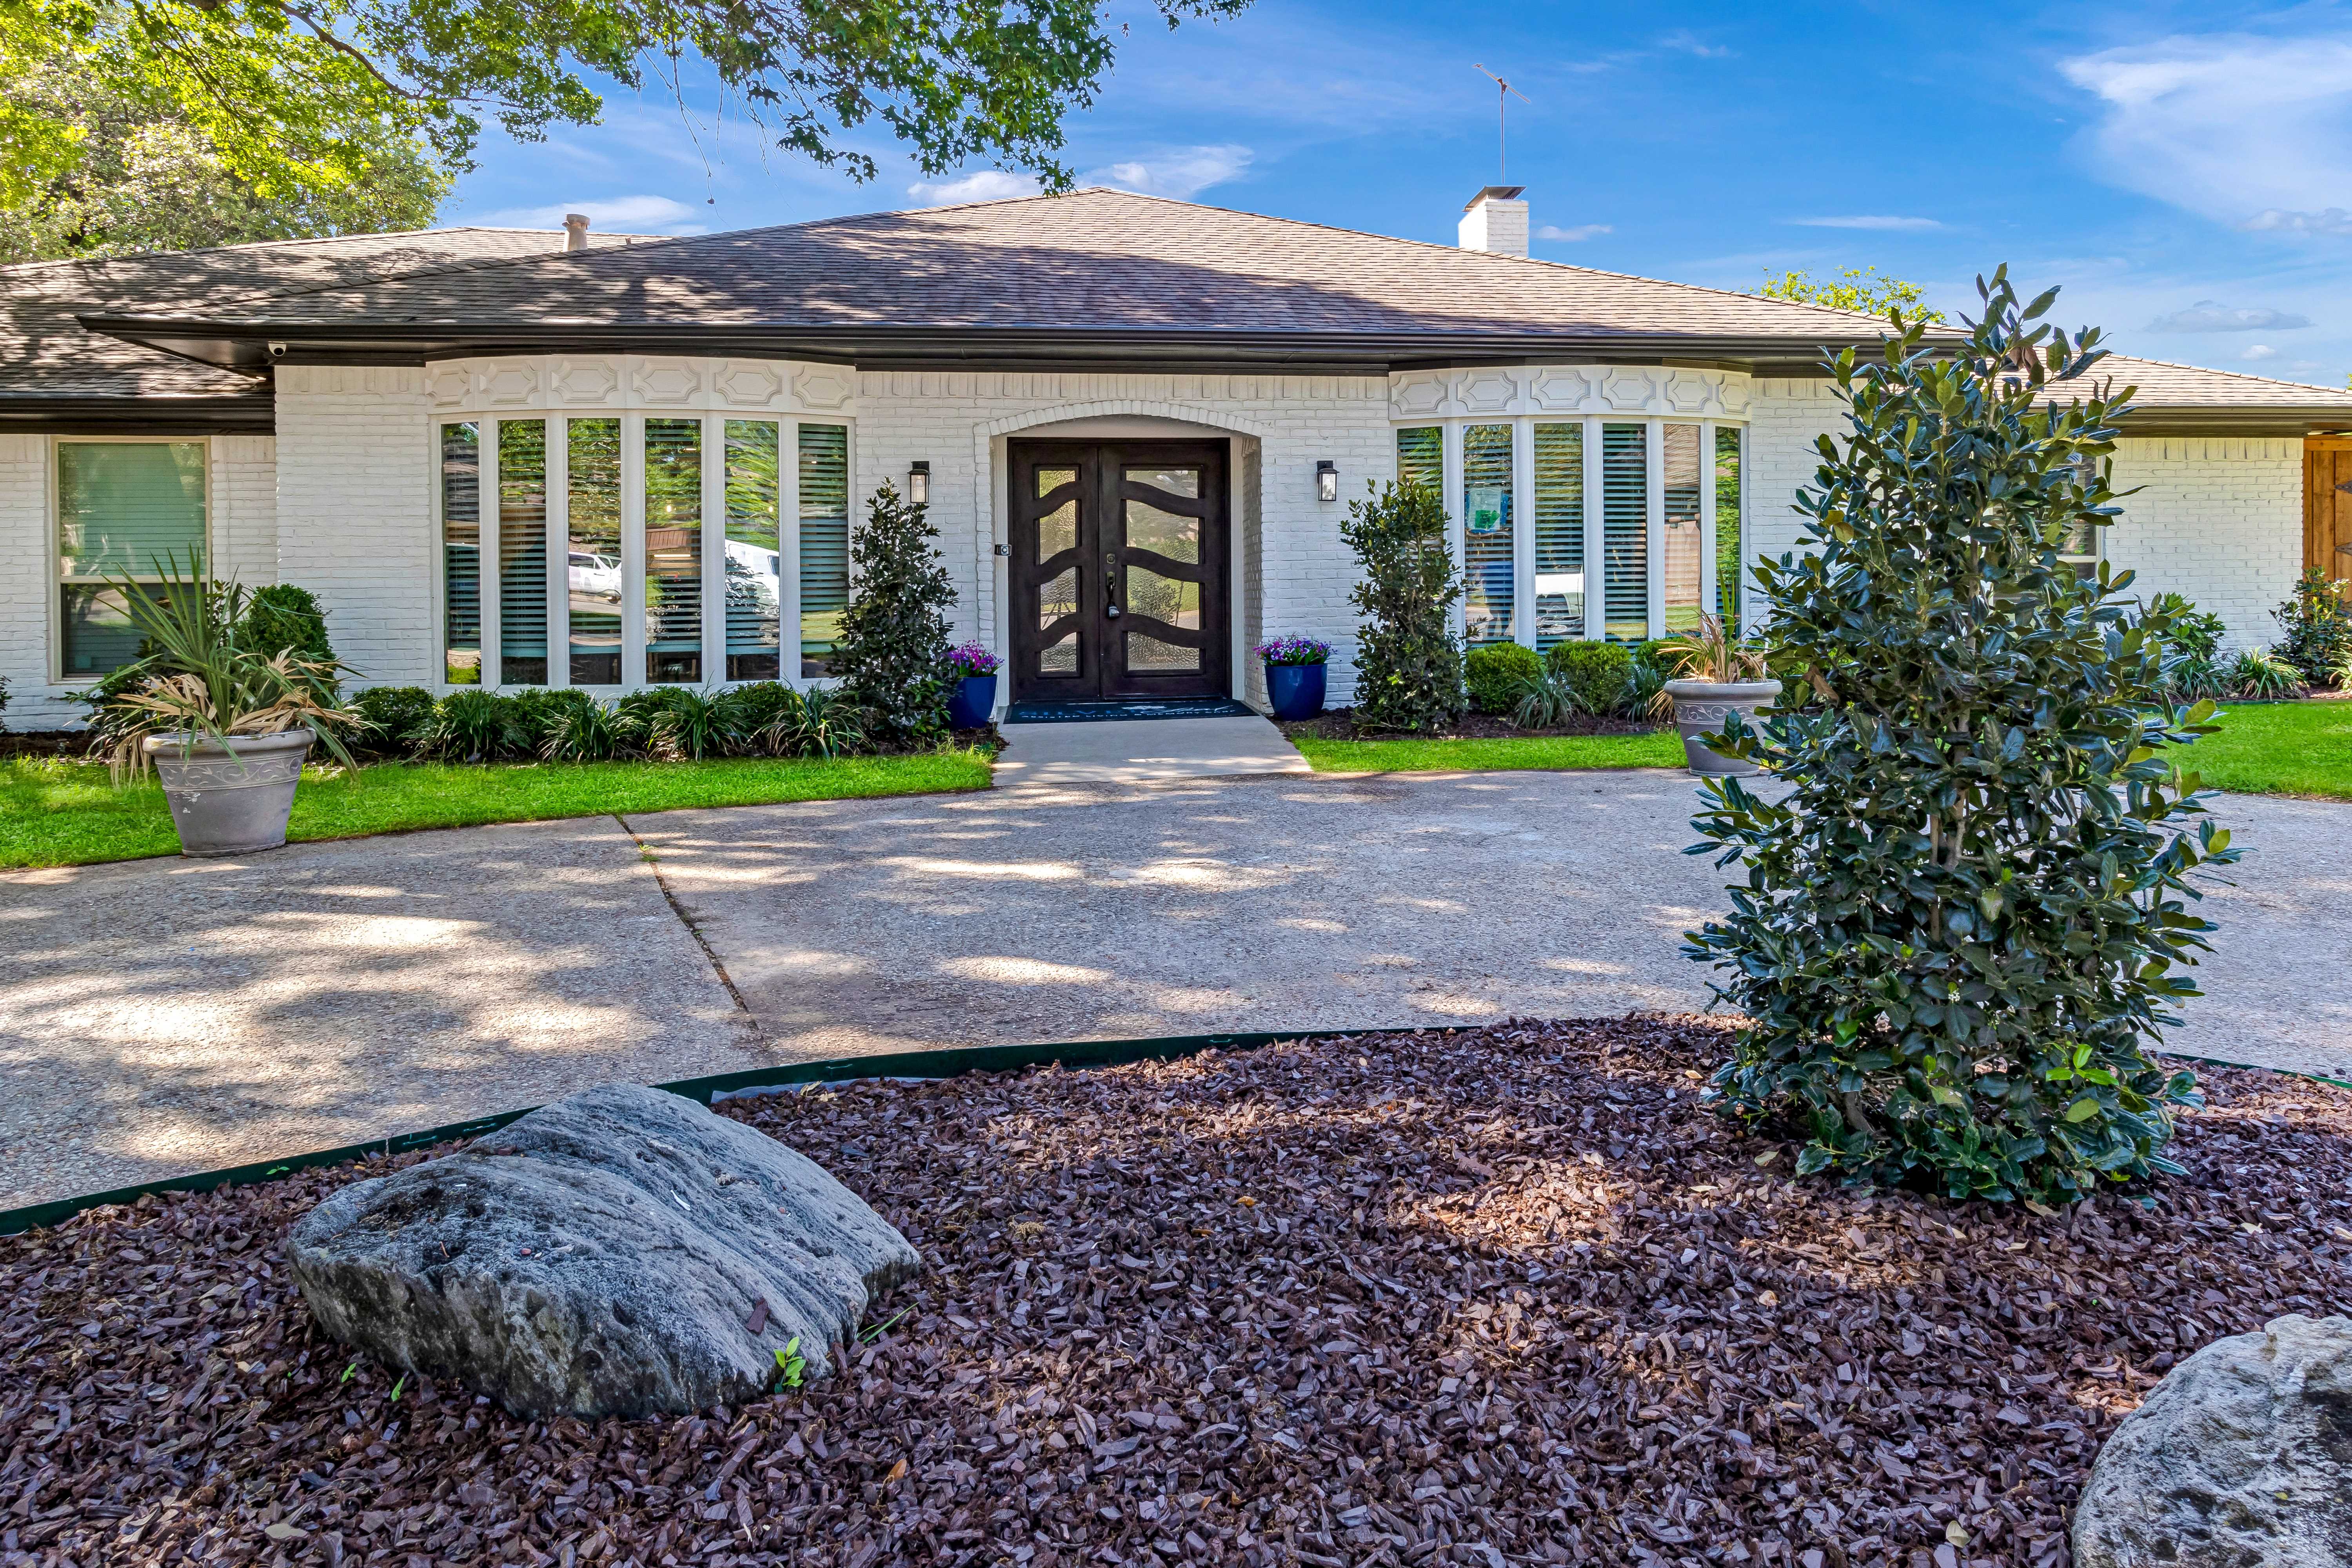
<point x="1038" y="712"/>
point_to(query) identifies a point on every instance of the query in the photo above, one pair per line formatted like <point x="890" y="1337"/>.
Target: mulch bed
<point x="44" y="742"/>
<point x="1339" y="724"/>
<point x="1506" y="1295"/>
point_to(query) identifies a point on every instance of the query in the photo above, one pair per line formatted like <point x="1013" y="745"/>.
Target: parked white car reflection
<point x="596" y="576"/>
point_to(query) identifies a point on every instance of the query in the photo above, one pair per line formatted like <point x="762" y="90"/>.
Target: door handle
<point x="1110" y="585"/>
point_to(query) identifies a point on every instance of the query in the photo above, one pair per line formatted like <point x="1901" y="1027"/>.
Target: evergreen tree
<point x="892" y="656"/>
<point x="1408" y="662"/>
<point x="1959" y="921"/>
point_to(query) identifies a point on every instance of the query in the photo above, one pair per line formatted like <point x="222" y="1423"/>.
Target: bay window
<point x="1632" y="525"/>
<point x="126" y="511"/>
<point x="643" y="549"/>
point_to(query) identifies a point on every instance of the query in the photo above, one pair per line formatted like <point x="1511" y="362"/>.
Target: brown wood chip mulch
<point x="1503" y="1296"/>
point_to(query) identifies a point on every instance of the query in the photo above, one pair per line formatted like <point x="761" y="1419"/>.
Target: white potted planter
<point x="1700" y="708"/>
<point x="229" y="798"/>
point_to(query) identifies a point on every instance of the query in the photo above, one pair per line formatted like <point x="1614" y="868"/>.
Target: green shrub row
<point x="671" y="722"/>
<point x="1542" y="690"/>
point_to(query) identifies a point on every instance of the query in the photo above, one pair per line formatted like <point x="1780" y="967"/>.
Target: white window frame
<point x="53" y="541"/>
<point x="1451" y="426"/>
<point x="632" y="542"/>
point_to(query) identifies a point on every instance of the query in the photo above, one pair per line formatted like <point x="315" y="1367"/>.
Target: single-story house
<point x="519" y="458"/>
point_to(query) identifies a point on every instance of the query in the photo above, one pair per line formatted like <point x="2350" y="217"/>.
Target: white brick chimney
<point x="1495" y="220"/>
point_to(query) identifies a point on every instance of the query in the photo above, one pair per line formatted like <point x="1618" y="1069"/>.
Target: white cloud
<point x="1181" y="172"/>
<point x="2251" y="131"/>
<point x="2259" y="352"/>
<point x="1582" y="231"/>
<point x="988" y="186"/>
<point x="1865" y="221"/>
<point x="629" y="215"/>
<point x="2212" y="316"/>
<point x="1690" y="43"/>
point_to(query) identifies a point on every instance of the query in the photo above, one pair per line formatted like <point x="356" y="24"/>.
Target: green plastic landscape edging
<point x="751" y="1081"/>
<point x="922" y="1064"/>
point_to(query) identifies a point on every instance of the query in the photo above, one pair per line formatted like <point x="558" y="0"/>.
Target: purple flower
<point x="1295" y="651"/>
<point x="972" y="659"/>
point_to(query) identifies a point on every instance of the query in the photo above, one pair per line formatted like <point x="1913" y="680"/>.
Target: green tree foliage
<point x="1857" y="288"/>
<point x="1959" y="924"/>
<point x="132" y="173"/>
<point x="299" y="95"/>
<point x="1408" y="663"/>
<point x="893" y="653"/>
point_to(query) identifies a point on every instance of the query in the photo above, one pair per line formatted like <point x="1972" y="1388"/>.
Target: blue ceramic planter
<point x="1295" y="690"/>
<point x="973" y="699"/>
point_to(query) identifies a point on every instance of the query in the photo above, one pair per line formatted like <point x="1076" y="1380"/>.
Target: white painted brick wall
<point x="355" y="512"/>
<point x="2218" y="519"/>
<point x="245" y="508"/>
<point x="957" y="421"/>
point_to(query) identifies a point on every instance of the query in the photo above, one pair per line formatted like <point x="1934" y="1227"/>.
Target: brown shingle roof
<point x="2162" y="385"/>
<point x="47" y="355"/>
<point x="1092" y="260"/>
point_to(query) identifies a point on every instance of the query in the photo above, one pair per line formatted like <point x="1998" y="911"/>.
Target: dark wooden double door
<point x="1119" y="588"/>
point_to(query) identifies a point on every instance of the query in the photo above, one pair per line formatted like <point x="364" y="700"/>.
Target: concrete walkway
<point x="169" y="1016"/>
<point x="1143" y="751"/>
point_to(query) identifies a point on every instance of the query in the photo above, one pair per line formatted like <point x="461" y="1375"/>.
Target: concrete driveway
<point x="169" y="1016"/>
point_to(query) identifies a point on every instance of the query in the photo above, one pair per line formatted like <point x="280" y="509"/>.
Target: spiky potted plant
<point x="225" y="726"/>
<point x="1714" y="677"/>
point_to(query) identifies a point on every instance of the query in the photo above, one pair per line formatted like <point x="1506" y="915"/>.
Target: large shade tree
<point x="303" y="95"/>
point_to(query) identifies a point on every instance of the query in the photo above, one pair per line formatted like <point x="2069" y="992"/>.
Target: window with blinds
<point x="592" y="511"/>
<point x="1727" y="567"/>
<point x="126" y="509"/>
<point x="1421" y="455"/>
<point x="754" y="564"/>
<point x="1560" y="533"/>
<point x="461" y="554"/>
<point x="824" y="540"/>
<point x="1625" y="532"/>
<point x="673" y="551"/>
<point x="1488" y="553"/>
<point x="523" y="552"/>
<point x="1684" y="546"/>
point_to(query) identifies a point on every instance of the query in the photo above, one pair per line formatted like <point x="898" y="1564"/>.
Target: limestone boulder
<point x="624" y="1251"/>
<point x="2241" y="1458"/>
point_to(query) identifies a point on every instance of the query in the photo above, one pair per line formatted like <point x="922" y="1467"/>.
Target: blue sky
<point x="2184" y="171"/>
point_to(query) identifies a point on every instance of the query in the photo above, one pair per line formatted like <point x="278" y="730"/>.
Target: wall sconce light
<point x="1326" y="480"/>
<point x="918" y="483"/>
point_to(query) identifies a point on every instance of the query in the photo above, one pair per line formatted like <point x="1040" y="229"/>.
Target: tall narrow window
<point x="1421" y="455"/>
<point x="1560" y="533"/>
<point x="130" y="509"/>
<point x="1487" y="525"/>
<point x="592" y="505"/>
<point x="824" y="540"/>
<point x="1727" y="567"/>
<point x="754" y="568"/>
<point x="523" y="552"/>
<point x="1625" y="531"/>
<point x="461" y="554"/>
<point x="1685" y="550"/>
<point x="673" y="550"/>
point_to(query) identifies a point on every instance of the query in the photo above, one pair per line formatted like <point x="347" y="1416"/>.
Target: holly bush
<point x="1959" y="933"/>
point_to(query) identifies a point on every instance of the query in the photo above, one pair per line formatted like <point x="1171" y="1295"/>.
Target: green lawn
<point x="1660" y="748"/>
<point x="2278" y="748"/>
<point x="56" y="811"/>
